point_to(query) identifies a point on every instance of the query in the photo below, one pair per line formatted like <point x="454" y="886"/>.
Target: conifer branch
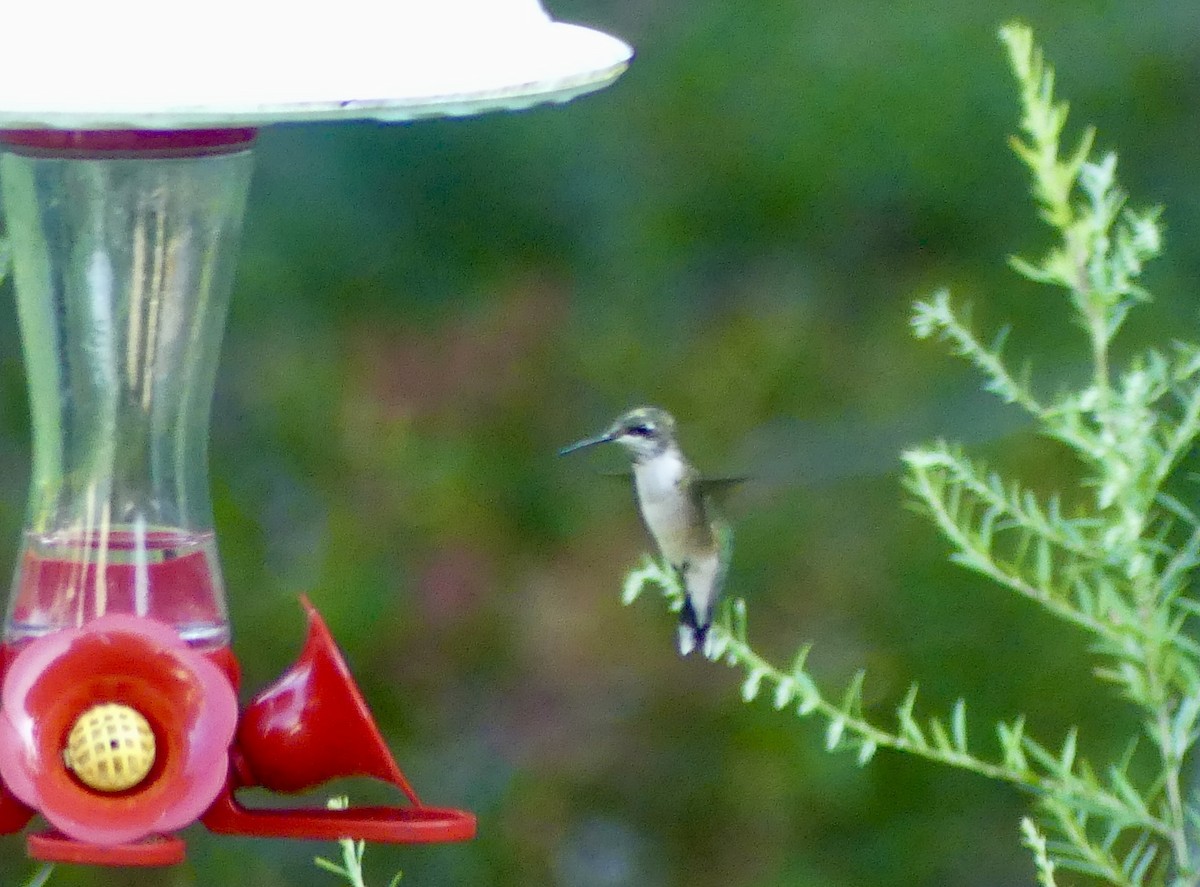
<point x="1120" y="566"/>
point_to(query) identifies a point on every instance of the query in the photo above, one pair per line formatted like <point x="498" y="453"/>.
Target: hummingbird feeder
<point x="126" y="140"/>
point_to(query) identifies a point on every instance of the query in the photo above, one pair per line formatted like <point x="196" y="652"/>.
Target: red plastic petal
<point x="188" y="701"/>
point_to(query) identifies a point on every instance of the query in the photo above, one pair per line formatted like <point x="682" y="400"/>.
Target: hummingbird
<point x="677" y="507"/>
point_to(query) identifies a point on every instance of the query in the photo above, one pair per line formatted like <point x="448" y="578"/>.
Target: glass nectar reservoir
<point x="123" y="268"/>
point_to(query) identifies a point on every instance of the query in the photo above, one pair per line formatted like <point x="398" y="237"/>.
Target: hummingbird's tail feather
<point x="687" y="640"/>
<point x="693" y="632"/>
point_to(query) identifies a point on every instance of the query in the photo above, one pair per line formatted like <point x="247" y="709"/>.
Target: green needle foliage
<point x="41" y="876"/>
<point x="351" y="867"/>
<point x="1116" y="564"/>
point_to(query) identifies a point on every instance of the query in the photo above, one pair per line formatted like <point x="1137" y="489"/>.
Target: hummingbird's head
<point x="644" y="432"/>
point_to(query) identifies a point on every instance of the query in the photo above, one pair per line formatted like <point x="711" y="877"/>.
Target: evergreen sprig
<point x="351" y="867"/>
<point x="41" y="876"/>
<point x="1114" y="558"/>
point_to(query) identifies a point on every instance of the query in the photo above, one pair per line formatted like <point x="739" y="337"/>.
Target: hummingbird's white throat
<point x="664" y="504"/>
<point x="660" y="475"/>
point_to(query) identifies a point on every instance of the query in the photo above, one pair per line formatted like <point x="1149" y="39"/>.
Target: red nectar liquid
<point x="65" y="580"/>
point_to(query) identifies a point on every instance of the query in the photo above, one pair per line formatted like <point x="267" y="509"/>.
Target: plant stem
<point x="1171" y="772"/>
<point x="41" y="876"/>
<point x="1098" y="332"/>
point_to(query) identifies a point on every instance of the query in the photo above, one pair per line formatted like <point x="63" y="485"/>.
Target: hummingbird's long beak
<point x="606" y="437"/>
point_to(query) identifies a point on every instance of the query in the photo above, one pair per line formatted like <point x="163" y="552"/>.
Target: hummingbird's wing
<point x="719" y="486"/>
<point x="704" y="578"/>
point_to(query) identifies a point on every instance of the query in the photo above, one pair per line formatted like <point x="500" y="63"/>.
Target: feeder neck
<point x="129" y="142"/>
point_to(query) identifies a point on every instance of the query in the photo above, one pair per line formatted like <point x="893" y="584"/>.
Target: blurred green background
<point x="734" y="231"/>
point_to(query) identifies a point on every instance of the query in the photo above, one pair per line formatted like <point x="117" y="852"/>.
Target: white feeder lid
<point x="166" y="64"/>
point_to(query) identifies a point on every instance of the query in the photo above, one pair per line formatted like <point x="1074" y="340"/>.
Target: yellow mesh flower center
<point x="110" y="747"/>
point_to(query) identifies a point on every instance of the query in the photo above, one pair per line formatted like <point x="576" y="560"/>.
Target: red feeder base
<point x="156" y="851"/>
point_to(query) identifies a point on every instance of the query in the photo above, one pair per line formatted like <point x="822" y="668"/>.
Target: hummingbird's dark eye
<point x="641" y="430"/>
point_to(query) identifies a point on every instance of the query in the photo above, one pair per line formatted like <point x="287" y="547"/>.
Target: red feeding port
<point x="313" y="725"/>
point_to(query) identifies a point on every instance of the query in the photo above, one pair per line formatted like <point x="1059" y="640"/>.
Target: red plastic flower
<point x="188" y="702"/>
